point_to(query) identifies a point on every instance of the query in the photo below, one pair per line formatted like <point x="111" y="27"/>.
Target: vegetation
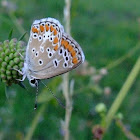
<point x="105" y="89"/>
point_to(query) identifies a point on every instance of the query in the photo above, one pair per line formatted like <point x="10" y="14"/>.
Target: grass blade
<point x="10" y="34"/>
<point x="22" y="36"/>
<point x="122" y="94"/>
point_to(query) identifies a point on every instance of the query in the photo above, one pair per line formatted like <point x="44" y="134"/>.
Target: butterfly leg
<point x="23" y="78"/>
<point x="18" y="71"/>
<point x="22" y="73"/>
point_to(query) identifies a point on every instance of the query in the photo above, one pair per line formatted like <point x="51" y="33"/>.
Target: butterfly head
<point x="33" y="82"/>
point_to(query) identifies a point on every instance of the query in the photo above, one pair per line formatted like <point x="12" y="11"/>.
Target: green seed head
<point x="11" y="59"/>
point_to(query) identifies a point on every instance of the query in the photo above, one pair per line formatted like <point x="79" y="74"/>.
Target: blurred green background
<point x="106" y="30"/>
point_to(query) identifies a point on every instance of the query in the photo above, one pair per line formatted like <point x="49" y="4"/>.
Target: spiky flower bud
<point x="11" y="57"/>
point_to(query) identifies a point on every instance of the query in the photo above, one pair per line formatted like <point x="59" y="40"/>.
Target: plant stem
<point x="68" y="110"/>
<point x="122" y="94"/>
<point x="126" y="132"/>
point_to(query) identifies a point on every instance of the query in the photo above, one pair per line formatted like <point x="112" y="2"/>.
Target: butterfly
<point x="50" y="51"/>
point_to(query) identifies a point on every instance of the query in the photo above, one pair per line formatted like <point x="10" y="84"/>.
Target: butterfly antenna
<point x="59" y="101"/>
<point x="36" y="95"/>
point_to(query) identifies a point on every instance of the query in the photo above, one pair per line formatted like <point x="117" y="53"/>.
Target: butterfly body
<point x="50" y="51"/>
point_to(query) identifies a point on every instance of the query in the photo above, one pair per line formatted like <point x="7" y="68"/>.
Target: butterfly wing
<point x="45" y="39"/>
<point x="52" y="57"/>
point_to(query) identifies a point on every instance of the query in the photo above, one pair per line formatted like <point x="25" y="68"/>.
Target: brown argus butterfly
<point x="50" y="51"/>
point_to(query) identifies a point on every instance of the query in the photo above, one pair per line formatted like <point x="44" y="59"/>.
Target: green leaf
<point x="22" y="36"/>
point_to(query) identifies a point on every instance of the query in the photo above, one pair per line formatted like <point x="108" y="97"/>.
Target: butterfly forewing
<point x="45" y="39"/>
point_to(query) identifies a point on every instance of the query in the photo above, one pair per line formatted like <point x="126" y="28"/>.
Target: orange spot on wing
<point x="41" y="28"/>
<point x="75" y="60"/>
<point x="55" y="40"/>
<point x="47" y="27"/>
<point x="34" y="30"/>
<point x="56" y="48"/>
<point x="73" y="53"/>
<point x="55" y="32"/>
<point x="65" y="44"/>
<point x="51" y="28"/>
<point x="70" y="48"/>
<point x="62" y="42"/>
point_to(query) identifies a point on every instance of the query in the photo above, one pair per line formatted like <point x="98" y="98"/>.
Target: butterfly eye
<point x="33" y="50"/>
<point x="33" y="82"/>
<point x="40" y="61"/>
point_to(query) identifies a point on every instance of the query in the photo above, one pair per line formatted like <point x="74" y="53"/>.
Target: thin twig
<point x="66" y="93"/>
